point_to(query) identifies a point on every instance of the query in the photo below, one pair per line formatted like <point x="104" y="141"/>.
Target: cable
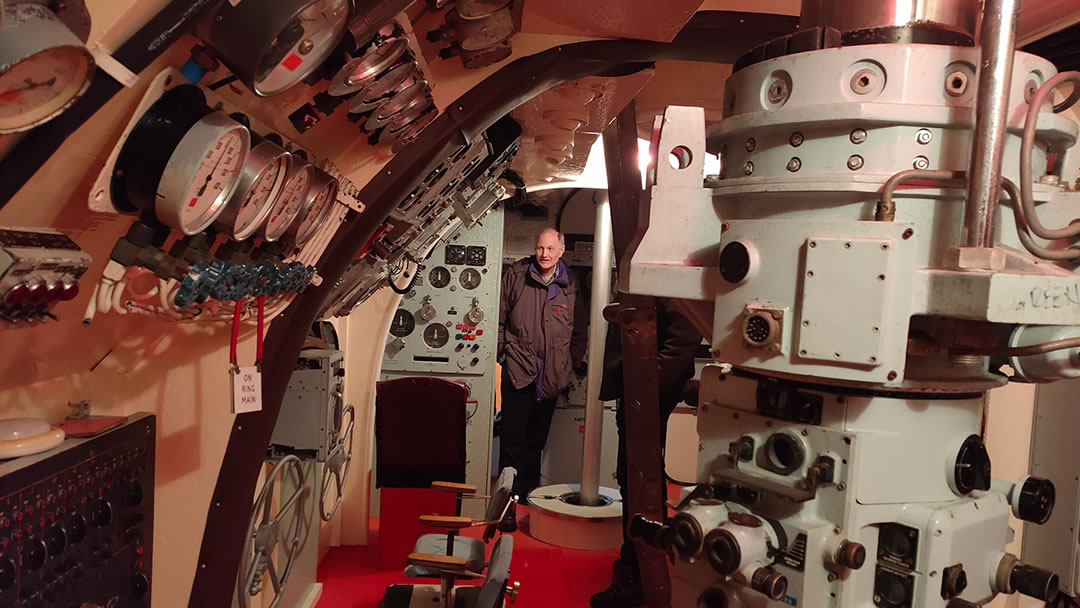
<point x="1027" y="145"/>
<point x="1022" y="228"/>
<point x="399" y="291"/>
<point x="261" y="300"/>
<point x="235" y="332"/>
<point x="886" y="209"/>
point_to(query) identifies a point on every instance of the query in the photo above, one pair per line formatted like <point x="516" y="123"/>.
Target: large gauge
<point x="316" y="208"/>
<point x="455" y="254"/>
<point x="44" y="67"/>
<point x="436" y="336"/>
<point x="469" y="278"/>
<point x="182" y="160"/>
<point x="362" y="71"/>
<point x="394" y="80"/>
<point x="439" y="277"/>
<point x="412" y="100"/>
<point x="403" y="323"/>
<point x="294" y="193"/>
<point x="271" y="46"/>
<point x="261" y="182"/>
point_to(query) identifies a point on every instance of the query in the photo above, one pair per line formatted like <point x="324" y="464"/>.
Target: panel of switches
<point x="39" y="268"/>
<point x="76" y="523"/>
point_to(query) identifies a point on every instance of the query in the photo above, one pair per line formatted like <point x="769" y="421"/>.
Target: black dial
<point x="972" y="469"/>
<point x="440" y="277"/>
<point x="33" y="555"/>
<point x="101" y="513"/>
<point x="139" y="586"/>
<point x="436" y="335"/>
<point x="403" y="324"/>
<point x="476" y="255"/>
<point x="55" y="539"/>
<point x="470" y="278"/>
<point x="455" y="254"/>
<point x="76" y="529"/>
<point x="133" y="494"/>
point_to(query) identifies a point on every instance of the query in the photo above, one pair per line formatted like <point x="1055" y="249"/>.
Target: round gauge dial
<point x="436" y="336"/>
<point x="289" y="204"/>
<point x="319" y="210"/>
<point x="260" y="198"/>
<point x="403" y="323"/>
<point x="439" y="277"/>
<point x="469" y="278"/>
<point x="43" y="71"/>
<point x="272" y="46"/>
<point x="214" y="180"/>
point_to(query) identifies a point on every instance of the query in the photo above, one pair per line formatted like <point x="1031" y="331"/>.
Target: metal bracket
<point x="80" y="410"/>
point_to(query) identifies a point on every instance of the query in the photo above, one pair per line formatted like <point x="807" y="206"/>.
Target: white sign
<point x="246" y="389"/>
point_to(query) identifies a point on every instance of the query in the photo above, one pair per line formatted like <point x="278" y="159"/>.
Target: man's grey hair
<point x="562" y="239"/>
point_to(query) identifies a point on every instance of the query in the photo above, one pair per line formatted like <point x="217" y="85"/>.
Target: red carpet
<point x="550" y="577"/>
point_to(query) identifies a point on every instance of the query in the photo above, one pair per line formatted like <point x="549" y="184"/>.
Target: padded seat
<point x="472" y="550"/>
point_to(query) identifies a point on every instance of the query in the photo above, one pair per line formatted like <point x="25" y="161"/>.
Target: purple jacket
<point x="543" y="329"/>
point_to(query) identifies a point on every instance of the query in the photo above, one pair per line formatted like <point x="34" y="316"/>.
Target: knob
<point x="686" y="536"/>
<point x="851" y="555"/>
<point x="7" y="573"/>
<point x="54" y="291"/>
<point x="1034" y="582"/>
<point x="971" y="470"/>
<point x="71" y="291"/>
<point x="133" y="494"/>
<point x="76" y="529"/>
<point x="37" y="292"/>
<point x="770" y="583"/>
<point x="33" y="555"/>
<point x="1035" y="500"/>
<point x="723" y="552"/>
<point x="139" y="586"/>
<point x="101" y="513"/>
<point x="55" y="539"/>
<point x="17" y="295"/>
<point x="953" y="581"/>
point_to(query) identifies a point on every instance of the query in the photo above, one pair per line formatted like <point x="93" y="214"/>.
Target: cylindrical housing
<point x="845" y="15"/>
<point x="594" y="408"/>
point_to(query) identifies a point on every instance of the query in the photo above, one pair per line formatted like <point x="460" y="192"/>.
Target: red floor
<point x="550" y="577"/>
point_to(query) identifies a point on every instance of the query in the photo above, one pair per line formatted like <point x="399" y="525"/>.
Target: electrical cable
<point x="398" y="290"/>
<point x="261" y="300"/>
<point x="235" y="333"/>
<point x="1022" y="228"/>
<point x="1027" y="145"/>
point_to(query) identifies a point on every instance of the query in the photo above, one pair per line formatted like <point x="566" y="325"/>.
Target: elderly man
<point x="543" y="326"/>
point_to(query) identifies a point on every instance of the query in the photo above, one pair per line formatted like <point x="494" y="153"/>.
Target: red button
<point x="459" y="326"/>
<point x="139" y="550"/>
<point x="139" y="564"/>
<point x="479" y="332"/>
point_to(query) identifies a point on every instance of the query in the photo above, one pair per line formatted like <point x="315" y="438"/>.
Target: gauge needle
<point x="211" y="174"/>
<point x="12" y="94"/>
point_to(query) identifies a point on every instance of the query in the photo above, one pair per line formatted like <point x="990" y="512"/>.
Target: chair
<point x="449" y="557"/>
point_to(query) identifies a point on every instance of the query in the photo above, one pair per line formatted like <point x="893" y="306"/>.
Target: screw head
<point x="796" y="139"/>
<point x="956" y="83"/>
<point x="858" y="136"/>
<point x="921" y="162"/>
<point x="1030" y="88"/>
<point x="794" y="164"/>
<point x="924" y="136"/>
<point x="748" y="168"/>
<point x="778" y="91"/>
<point x="751" y="144"/>
<point x="855" y="162"/>
<point x="863" y="81"/>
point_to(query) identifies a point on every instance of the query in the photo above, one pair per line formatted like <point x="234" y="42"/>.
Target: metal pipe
<point x="594" y="408"/>
<point x="997" y="45"/>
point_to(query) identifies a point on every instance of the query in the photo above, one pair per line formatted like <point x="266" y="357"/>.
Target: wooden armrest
<point x="457" y="488"/>
<point x="442" y="562"/>
<point x="446" y="521"/>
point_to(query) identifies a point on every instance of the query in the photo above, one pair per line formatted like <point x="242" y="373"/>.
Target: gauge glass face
<point x="470" y="279"/>
<point x="288" y="204"/>
<point x="316" y="213"/>
<point x="39" y="86"/>
<point x="455" y="254"/>
<point x="263" y="192"/>
<point x="477" y="255"/>
<point x="301" y="46"/>
<point x="440" y="277"/>
<point x="403" y="323"/>
<point x="217" y="171"/>
<point x="436" y="336"/>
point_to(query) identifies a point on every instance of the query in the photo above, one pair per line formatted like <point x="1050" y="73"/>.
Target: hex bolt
<point x="858" y="136"/>
<point x="924" y="136"/>
<point x="748" y="168"/>
<point x="796" y="139"/>
<point x="863" y="81"/>
<point x="750" y="144"/>
<point x="1030" y="88"/>
<point x="855" y="162"/>
<point x="794" y="164"/>
<point x="778" y="91"/>
<point x="956" y="83"/>
<point x="921" y="162"/>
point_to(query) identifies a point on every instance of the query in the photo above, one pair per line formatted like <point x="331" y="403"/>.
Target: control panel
<point x="447" y="326"/>
<point x="39" y="268"/>
<point x="76" y="523"/>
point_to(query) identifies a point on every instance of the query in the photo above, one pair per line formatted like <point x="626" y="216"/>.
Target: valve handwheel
<point x="338" y="463"/>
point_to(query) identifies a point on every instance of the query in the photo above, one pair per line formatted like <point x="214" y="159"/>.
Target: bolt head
<point x="750" y="144"/>
<point x="748" y="168"/>
<point x="794" y="164"/>
<point x="796" y="139"/>
<point x="855" y="162"/>
<point x="924" y="136"/>
<point x="858" y="136"/>
<point x="921" y="162"/>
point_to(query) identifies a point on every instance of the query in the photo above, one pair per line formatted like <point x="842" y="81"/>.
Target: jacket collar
<point x="562" y="275"/>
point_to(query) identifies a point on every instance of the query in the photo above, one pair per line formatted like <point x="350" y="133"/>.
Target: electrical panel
<point x="39" y="268"/>
<point x="311" y="409"/>
<point x="77" y="522"/>
<point x="447" y="326"/>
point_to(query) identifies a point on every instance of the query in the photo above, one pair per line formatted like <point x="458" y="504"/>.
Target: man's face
<point x="548" y="251"/>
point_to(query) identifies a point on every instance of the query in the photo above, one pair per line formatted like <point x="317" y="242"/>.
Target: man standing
<point x="543" y="328"/>
<point x="677" y="342"/>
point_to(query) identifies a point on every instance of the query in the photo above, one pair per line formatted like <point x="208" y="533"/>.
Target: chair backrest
<point x="419" y="432"/>
<point x="502" y="491"/>
<point x="498" y="573"/>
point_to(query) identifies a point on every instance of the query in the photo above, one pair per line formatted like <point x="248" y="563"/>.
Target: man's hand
<point x="582" y="369"/>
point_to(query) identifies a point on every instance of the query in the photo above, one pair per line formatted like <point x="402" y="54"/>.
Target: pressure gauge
<point x="271" y="46"/>
<point x="316" y="208"/>
<point x="410" y="99"/>
<point x="436" y="336"/>
<point x="403" y="323"/>
<point x="400" y="125"/>
<point x="287" y="208"/>
<point x="261" y="182"/>
<point x="469" y="278"/>
<point x="44" y="67"/>
<point x="395" y="79"/>
<point x="439" y="277"/>
<point x="409" y="134"/>
<point x="362" y="71"/>
<point x="182" y="160"/>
